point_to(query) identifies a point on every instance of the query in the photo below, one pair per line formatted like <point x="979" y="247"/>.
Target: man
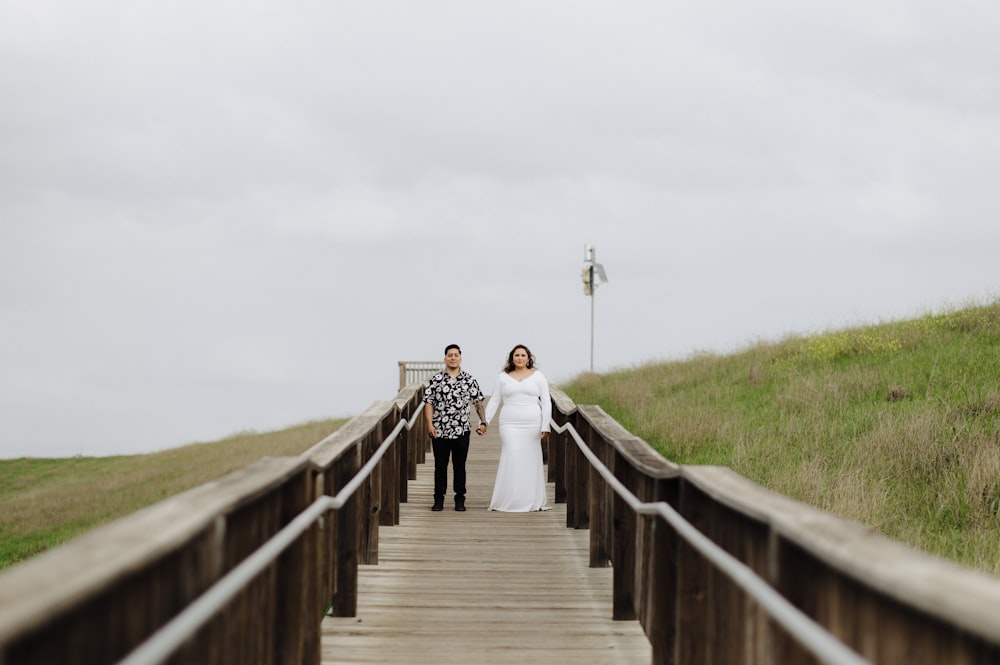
<point x="446" y="408"/>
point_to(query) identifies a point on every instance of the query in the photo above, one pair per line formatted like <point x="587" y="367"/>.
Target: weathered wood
<point x="598" y="522"/>
<point x="407" y="403"/>
<point x="344" y="538"/>
<point x="615" y="532"/>
<point x="336" y="460"/>
<point x="389" y="471"/>
<point x="581" y="479"/>
<point x="557" y="464"/>
<point x="624" y="555"/>
<point x="482" y="587"/>
<point x="98" y="597"/>
<point x="561" y="403"/>
<point x="575" y="475"/>
<point x="491" y="587"/>
<point x="694" y="621"/>
<point x="889" y="602"/>
<point x="562" y="409"/>
<point x="326" y="452"/>
<point x="370" y="496"/>
<point x="417" y="372"/>
<point x="659" y="583"/>
<point x="298" y="599"/>
<point x="368" y="506"/>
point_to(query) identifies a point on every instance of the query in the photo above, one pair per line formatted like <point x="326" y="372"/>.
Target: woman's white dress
<point x="527" y="409"/>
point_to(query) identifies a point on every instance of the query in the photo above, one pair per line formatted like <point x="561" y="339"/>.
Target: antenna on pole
<point x="592" y="275"/>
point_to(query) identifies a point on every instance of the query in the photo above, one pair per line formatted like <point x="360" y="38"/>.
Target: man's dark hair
<point x="452" y="346"/>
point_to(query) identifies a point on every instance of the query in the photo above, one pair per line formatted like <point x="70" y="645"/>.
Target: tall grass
<point x="894" y="425"/>
<point x="48" y="501"/>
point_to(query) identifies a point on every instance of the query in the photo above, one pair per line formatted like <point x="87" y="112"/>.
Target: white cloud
<point x="228" y="216"/>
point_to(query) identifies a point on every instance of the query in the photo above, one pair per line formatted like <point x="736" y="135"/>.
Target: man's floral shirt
<point x="451" y="398"/>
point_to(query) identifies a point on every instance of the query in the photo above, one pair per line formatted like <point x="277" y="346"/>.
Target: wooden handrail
<point x="95" y="599"/>
<point x="100" y="595"/>
<point x="887" y="602"/>
<point x="414" y="372"/>
<point x="814" y="638"/>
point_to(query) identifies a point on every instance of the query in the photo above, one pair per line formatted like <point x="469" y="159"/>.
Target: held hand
<point x="481" y="429"/>
<point x="545" y="436"/>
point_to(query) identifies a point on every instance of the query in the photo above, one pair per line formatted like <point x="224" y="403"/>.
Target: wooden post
<point x="390" y="468"/>
<point x="345" y="535"/>
<point x="623" y="548"/>
<point x="369" y="504"/>
<point x="581" y="479"/>
<point x="297" y="629"/>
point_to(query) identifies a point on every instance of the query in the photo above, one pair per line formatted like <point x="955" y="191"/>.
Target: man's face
<point x="452" y="359"/>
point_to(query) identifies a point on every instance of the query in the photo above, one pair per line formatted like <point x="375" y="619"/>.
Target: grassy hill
<point x="894" y="425"/>
<point x="48" y="501"/>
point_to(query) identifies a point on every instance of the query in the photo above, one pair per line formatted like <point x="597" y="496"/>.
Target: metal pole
<point x="592" y="318"/>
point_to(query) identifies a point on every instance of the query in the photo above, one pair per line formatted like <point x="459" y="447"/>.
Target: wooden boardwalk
<point x="482" y="587"/>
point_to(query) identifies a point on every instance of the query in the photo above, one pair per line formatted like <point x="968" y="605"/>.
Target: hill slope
<point x="893" y="425"/>
<point x="48" y="501"/>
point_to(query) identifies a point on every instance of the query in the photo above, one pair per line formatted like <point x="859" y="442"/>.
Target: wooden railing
<point x="886" y="602"/>
<point x="122" y="587"/>
<point x="417" y="371"/>
<point x="99" y="597"/>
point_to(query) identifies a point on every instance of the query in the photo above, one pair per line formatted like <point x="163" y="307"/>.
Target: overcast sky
<point x="226" y="216"/>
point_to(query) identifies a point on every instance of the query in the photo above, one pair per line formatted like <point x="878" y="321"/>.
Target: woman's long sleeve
<point x="546" y="403"/>
<point x="495" y="399"/>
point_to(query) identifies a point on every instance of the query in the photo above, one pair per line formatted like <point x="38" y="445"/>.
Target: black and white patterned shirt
<point x="451" y="398"/>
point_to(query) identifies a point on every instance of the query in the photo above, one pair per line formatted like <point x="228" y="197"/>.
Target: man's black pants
<point x="458" y="450"/>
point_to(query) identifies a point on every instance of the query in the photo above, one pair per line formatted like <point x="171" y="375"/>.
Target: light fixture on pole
<point x="592" y="275"/>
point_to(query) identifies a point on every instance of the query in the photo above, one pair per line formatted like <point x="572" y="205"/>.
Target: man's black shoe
<point x="460" y="507"/>
<point x="437" y="506"/>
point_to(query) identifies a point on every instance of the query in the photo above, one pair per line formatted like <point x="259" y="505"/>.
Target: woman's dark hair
<point x="509" y="367"/>
<point x="450" y="347"/>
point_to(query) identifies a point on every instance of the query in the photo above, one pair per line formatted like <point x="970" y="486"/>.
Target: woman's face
<point x="520" y="358"/>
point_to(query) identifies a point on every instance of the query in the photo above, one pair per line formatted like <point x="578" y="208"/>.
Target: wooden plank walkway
<point x="482" y="587"/>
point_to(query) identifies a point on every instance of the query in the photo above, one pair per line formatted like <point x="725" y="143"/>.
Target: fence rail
<point x="171" y="637"/>
<point x="713" y="567"/>
<point x="884" y="601"/>
<point x="105" y="594"/>
<point x="810" y="635"/>
<point x="417" y="371"/>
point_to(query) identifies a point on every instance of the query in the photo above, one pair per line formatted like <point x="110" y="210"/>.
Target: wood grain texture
<point x="482" y="587"/>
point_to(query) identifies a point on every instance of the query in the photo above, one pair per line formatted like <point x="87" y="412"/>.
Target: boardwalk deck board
<point x="482" y="587"/>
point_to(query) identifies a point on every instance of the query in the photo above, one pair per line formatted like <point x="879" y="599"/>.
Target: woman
<point x="524" y="424"/>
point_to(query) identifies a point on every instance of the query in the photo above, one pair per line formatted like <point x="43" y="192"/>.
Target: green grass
<point x="48" y="501"/>
<point x="895" y="425"/>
